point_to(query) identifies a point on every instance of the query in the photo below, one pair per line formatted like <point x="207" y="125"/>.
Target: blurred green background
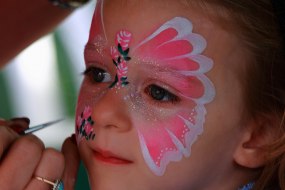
<point x="42" y="83"/>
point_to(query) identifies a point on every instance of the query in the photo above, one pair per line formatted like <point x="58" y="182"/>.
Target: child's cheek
<point x="84" y="122"/>
<point x="168" y="138"/>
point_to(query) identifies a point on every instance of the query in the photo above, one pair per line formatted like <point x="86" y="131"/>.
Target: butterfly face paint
<point x="171" y="59"/>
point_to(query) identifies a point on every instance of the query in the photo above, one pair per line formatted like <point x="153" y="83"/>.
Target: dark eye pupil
<point x="157" y="93"/>
<point x="98" y="75"/>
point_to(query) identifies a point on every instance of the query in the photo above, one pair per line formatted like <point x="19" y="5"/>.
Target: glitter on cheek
<point x="138" y="104"/>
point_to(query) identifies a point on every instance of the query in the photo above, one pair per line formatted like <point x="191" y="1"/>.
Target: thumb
<point x="72" y="160"/>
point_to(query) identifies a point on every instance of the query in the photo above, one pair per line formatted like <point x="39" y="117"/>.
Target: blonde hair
<point x="256" y="24"/>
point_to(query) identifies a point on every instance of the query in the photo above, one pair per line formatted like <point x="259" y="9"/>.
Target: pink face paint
<point x="84" y="125"/>
<point x="174" y="46"/>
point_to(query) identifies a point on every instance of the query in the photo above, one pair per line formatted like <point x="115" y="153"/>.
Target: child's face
<point x="160" y="106"/>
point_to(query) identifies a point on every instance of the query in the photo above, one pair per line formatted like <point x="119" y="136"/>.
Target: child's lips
<point x="111" y="158"/>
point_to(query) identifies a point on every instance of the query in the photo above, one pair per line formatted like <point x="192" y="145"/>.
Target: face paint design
<point x="120" y="57"/>
<point x="174" y="46"/>
<point x="176" y="49"/>
<point x="84" y="125"/>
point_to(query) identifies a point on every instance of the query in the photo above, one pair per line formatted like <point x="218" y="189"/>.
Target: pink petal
<point x="123" y="38"/>
<point x="87" y="112"/>
<point x="88" y="128"/>
<point x="114" y="53"/>
<point x="78" y="122"/>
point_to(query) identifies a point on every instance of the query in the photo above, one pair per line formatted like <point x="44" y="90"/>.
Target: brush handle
<point x="39" y="127"/>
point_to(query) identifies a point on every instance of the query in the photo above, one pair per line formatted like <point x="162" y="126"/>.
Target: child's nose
<point x="111" y="112"/>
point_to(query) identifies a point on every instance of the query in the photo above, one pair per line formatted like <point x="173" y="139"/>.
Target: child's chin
<point x="112" y="183"/>
<point x="110" y="180"/>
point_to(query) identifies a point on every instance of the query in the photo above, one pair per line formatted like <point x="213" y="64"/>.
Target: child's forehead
<point x="143" y="17"/>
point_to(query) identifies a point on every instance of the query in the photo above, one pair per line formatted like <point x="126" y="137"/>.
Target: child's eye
<point x="97" y="74"/>
<point x="160" y="94"/>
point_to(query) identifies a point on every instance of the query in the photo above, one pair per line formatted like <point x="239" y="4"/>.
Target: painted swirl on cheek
<point x="175" y="47"/>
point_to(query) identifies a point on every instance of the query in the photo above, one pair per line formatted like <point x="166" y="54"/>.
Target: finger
<point x="19" y="124"/>
<point x="71" y="155"/>
<point x="21" y="119"/>
<point x="24" y="121"/>
<point x="19" y="164"/>
<point x="3" y="122"/>
<point x="50" y="167"/>
<point x="7" y="136"/>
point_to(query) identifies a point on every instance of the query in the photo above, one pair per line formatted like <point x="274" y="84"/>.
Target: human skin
<point x="24" y="157"/>
<point x="212" y="164"/>
<point x="23" y="22"/>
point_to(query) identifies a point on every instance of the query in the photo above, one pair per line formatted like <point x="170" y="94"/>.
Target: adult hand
<point x="24" y="157"/>
<point x="22" y="22"/>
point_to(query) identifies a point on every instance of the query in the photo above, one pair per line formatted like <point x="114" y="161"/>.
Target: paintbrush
<point x="39" y="127"/>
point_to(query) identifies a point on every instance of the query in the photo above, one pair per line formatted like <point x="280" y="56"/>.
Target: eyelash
<point x="166" y="96"/>
<point x="93" y="71"/>
<point x="170" y="97"/>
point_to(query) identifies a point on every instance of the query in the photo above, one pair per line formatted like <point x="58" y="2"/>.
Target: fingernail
<point x="3" y="122"/>
<point x="18" y="128"/>
<point x="73" y="138"/>
<point x="25" y="119"/>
